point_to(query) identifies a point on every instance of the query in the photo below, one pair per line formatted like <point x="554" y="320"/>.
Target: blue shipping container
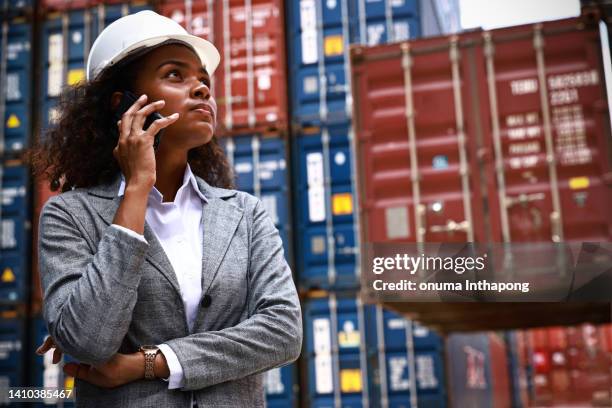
<point x="260" y="167"/>
<point x="335" y="353"/>
<point x="66" y="40"/>
<point x="281" y="387"/>
<point x="319" y="36"/>
<point x="325" y="209"/>
<point x="348" y="367"/>
<point x="14" y="233"/>
<point x="391" y="331"/>
<point x="14" y="8"/>
<point x="12" y="335"/>
<point x="42" y="371"/>
<point x="16" y="56"/>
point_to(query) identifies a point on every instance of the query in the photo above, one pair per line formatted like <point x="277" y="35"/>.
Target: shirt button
<point x="206" y="301"/>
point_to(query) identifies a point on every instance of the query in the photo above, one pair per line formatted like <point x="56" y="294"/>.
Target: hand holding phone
<point x="127" y="100"/>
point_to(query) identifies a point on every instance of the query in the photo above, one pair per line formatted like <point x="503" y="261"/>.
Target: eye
<point x="205" y="81"/>
<point x="173" y="74"/>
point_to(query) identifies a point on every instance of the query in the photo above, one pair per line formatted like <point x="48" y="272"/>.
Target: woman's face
<point x="175" y="74"/>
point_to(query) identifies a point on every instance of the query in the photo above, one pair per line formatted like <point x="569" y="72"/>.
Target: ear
<point x="116" y="99"/>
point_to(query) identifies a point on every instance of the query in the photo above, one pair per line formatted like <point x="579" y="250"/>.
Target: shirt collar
<point x="188" y="179"/>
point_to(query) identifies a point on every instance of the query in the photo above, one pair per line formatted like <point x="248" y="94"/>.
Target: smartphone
<point x="127" y="100"/>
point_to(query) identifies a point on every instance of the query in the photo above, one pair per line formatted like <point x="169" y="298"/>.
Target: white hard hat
<point x="142" y="30"/>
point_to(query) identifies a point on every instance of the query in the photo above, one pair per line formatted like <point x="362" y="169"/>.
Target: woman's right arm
<point x="89" y="295"/>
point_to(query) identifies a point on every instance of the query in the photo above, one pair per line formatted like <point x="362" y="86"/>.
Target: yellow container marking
<point x="13" y="122"/>
<point x="576" y="183"/>
<point x="8" y="275"/>
<point x="342" y="204"/>
<point x="75" y="76"/>
<point x="350" y="380"/>
<point x="333" y="45"/>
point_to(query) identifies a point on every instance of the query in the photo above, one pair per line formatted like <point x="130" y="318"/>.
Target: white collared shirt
<point x="178" y="228"/>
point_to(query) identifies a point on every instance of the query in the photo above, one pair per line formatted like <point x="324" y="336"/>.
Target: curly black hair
<point x="78" y="150"/>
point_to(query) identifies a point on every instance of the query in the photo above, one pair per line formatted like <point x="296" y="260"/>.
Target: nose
<point x="200" y="90"/>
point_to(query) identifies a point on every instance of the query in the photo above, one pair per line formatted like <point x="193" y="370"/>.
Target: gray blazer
<point x="107" y="292"/>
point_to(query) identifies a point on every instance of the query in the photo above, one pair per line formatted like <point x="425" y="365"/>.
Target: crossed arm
<point x="78" y="279"/>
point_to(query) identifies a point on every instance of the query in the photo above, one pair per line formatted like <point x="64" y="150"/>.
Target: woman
<point x="169" y="287"/>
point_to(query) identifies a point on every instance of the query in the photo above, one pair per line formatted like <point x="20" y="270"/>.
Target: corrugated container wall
<point x="15" y="77"/>
<point x="15" y="231"/>
<point x="361" y="356"/>
<point x="320" y="33"/>
<point x="514" y="121"/>
<point x="250" y="84"/>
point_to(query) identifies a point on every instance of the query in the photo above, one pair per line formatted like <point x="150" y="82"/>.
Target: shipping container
<point x="66" y="40"/>
<point x="477" y="371"/>
<point x="197" y="17"/>
<point x="324" y="208"/>
<point x="260" y="167"/>
<point x="15" y="231"/>
<point x="319" y="35"/>
<point x="349" y="362"/>
<point x="281" y="386"/>
<point x="393" y="342"/>
<point x="12" y="353"/>
<point x="42" y="372"/>
<point x="250" y="84"/>
<point x="16" y="8"/>
<point x="15" y="80"/>
<point x="571" y="366"/>
<point x="64" y="5"/>
<point x="499" y="136"/>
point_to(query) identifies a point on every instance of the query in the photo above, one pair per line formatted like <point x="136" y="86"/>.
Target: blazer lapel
<point x="107" y="207"/>
<point x="220" y="220"/>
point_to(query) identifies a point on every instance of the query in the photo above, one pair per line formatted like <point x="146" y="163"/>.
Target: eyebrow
<point x="180" y="64"/>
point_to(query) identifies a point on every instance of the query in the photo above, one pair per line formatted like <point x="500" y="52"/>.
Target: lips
<point x="205" y="110"/>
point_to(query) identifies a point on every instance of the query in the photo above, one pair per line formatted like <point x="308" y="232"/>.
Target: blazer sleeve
<point x="272" y="334"/>
<point x="89" y="293"/>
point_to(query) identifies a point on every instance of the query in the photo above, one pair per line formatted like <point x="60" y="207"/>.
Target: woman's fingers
<point x="57" y="355"/>
<point x="141" y="116"/>
<point x="159" y="124"/>
<point x="47" y="345"/>
<point x="128" y="116"/>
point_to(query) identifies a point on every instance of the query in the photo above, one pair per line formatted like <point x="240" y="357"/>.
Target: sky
<point x="490" y="14"/>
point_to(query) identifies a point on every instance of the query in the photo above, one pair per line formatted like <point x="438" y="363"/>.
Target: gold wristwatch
<point x="149" y="355"/>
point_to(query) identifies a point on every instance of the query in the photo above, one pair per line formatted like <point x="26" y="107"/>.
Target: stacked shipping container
<point x="354" y="355"/>
<point x="15" y="113"/>
<point x="513" y="121"/>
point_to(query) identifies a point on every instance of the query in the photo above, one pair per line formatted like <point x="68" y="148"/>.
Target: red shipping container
<point x="250" y="84"/>
<point x="513" y="120"/>
<point x="197" y="17"/>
